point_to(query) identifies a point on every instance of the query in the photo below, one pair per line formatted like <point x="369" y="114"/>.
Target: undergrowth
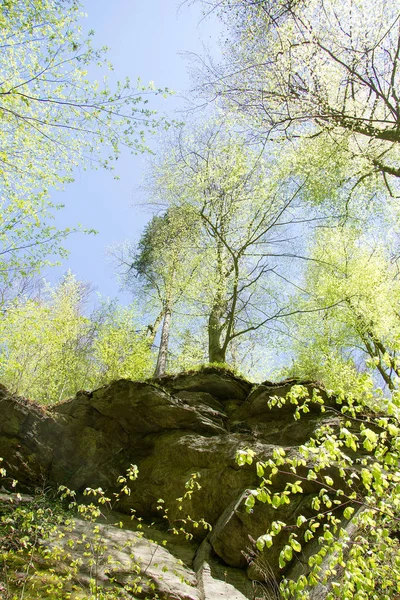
<point x="52" y="546"/>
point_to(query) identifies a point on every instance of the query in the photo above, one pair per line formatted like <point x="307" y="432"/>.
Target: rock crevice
<point x="173" y="429"/>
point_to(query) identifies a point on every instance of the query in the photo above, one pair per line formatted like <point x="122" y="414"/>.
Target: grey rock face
<point x="177" y="430"/>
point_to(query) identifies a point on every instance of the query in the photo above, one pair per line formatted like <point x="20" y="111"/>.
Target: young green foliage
<point x="50" y="349"/>
<point x="53" y="118"/>
<point x="239" y="211"/>
<point x="350" y="541"/>
<point x="302" y="69"/>
<point x="361" y="328"/>
<point x="57" y="547"/>
<point x="165" y="265"/>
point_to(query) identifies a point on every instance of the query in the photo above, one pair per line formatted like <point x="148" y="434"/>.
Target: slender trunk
<point x="216" y="352"/>
<point x="216" y="349"/>
<point x="161" y="366"/>
<point x="152" y="329"/>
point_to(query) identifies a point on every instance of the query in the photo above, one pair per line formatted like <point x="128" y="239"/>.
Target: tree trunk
<point x="217" y="350"/>
<point x="163" y="351"/>
<point x="216" y="353"/>
<point x="153" y="329"/>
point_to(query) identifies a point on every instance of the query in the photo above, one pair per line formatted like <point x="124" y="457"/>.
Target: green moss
<point x="44" y="553"/>
<point x="31" y="578"/>
<point x="206" y="368"/>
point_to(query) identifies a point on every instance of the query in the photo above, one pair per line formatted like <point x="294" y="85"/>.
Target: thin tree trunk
<point x="152" y="329"/>
<point x="216" y="353"/>
<point x="217" y="350"/>
<point x="161" y="366"/>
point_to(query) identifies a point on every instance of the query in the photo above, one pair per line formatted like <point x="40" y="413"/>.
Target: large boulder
<point x="183" y="433"/>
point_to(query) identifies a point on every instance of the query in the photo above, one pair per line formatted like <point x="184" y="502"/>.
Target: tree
<point x="120" y="349"/>
<point x="244" y="224"/>
<point x="360" y="333"/>
<point x="302" y="69"/>
<point x="49" y="349"/>
<point x="52" y="119"/>
<point x="44" y="349"/>
<point x="165" y="264"/>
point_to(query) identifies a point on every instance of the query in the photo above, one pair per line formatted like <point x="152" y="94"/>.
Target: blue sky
<point x="149" y="40"/>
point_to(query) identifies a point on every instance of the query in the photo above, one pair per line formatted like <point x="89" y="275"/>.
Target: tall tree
<point x="165" y="264"/>
<point x="360" y="331"/>
<point x="50" y="349"/>
<point x="244" y="219"/>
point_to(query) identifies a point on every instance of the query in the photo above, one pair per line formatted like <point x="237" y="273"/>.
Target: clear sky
<point x="149" y="40"/>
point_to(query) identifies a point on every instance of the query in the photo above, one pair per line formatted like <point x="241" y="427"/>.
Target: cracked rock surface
<point x="171" y="428"/>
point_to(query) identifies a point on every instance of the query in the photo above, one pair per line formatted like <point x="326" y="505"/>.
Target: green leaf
<point x="308" y="535"/>
<point x="348" y="512"/>
<point x="264" y="540"/>
<point x="288" y="553"/>
<point x="300" y="520"/>
<point x="328" y="536"/>
<point x="295" y="545"/>
<point x="249" y="502"/>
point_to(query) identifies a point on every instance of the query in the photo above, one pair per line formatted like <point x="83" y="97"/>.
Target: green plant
<point x="49" y="349"/>
<point x="58" y="120"/>
<point x="185" y="525"/>
<point x="353" y="468"/>
<point x="56" y="547"/>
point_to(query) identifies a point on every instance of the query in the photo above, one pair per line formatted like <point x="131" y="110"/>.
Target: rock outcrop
<point x="181" y="429"/>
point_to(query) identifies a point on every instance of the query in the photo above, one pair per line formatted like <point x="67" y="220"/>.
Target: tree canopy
<point x="326" y="68"/>
<point x="244" y="226"/>
<point x="165" y="264"/>
<point x="54" y="116"/>
<point x="50" y="349"/>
